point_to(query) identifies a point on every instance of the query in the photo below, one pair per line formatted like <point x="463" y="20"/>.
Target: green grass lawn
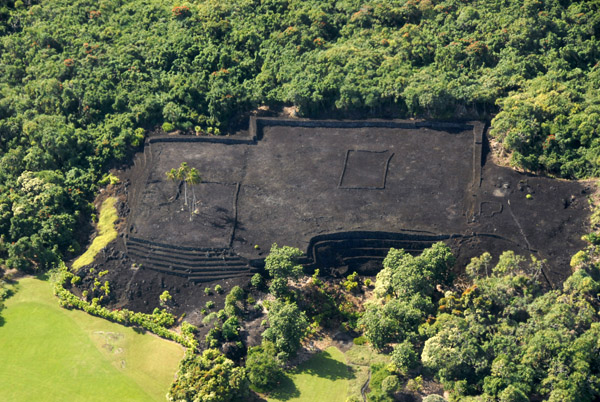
<point x="322" y="378"/>
<point x="51" y="354"/>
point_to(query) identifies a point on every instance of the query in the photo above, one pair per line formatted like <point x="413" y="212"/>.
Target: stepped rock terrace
<point x="344" y="192"/>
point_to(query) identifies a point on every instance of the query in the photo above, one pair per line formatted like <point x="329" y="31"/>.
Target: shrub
<point x="222" y="315"/>
<point x="138" y="137"/>
<point x="210" y="304"/>
<point x="361" y="340"/>
<point x="351" y="282"/>
<point x="257" y="281"/>
<point x="231" y="310"/>
<point x="219" y="289"/>
<point x="167" y="127"/>
<point x="390" y="384"/>
<point x="315" y="278"/>
<point x="264" y="370"/>
<point x="165" y="297"/>
<point x="350" y="286"/>
<point x="230" y="330"/>
<point x="415" y="384"/>
<point x="208" y="291"/>
<point x="210" y="318"/>
<point x="237" y="293"/>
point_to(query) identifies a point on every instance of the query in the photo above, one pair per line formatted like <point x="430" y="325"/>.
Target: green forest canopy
<point x="81" y="80"/>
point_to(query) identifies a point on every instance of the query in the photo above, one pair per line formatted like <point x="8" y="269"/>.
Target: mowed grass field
<point x="48" y="353"/>
<point x="325" y="377"/>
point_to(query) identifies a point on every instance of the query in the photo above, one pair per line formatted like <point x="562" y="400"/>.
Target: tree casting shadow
<point x="286" y="390"/>
<point x="324" y="366"/>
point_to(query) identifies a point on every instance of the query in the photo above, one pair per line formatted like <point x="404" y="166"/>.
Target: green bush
<point x="167" y="127"/>
<point x="263" y="368"/>
<point x="390" y="384"/>
<point x="360" y="340"/>
<point x="257" y="281"/>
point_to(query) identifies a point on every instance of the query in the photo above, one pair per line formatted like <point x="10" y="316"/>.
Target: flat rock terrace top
<point x="344" y="192"/>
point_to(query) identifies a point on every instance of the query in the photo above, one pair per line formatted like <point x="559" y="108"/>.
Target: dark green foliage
<point x="390" y="384"/>
<point x="379" y="374"/>
<point x="282" y="264"/>
<point x="234" y="304"/>
<point x="78" y="81"/>
<point x="209" y="377"/>
<point x="504" y="338"/>
<point x="287" y="327"/>
<point x="263" y="368"/>
<point x="405" y="287"/>
<point x="230" y="329"/>
<point x="404" y="356"/>
<point x="257" y="281"/>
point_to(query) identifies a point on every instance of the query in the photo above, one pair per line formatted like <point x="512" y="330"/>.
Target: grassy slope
<point x="322" y="378"/>
<point x="106" y="233"/>
<point x="53" y="354"/>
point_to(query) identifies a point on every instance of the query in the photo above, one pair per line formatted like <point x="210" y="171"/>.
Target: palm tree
<point x="182" y="174"/>
<point x="193" y="178"/>
<point x="173" y="176"/>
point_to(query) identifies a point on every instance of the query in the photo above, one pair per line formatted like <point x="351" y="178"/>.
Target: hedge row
<point x="158" y="323"/>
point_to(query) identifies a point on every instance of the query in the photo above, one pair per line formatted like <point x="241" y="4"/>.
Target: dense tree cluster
<point x="81" y="80"/>
<point x="209" y="377"/>
<point x="263" y="368"/>
<point x="405" y="288"/>
<point x="500" y="337"/>
<point x="504" y="338"/>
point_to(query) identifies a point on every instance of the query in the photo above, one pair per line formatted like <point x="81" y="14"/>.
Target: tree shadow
<point x="324" y="365"/>
<point x="43" y="276"/>
<point x="139" y="330"/>
<point x="286" y="390"/>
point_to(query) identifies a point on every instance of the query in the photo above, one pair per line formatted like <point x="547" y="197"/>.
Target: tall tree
<point x="182" y="174"/>
<point x="193" y="179"/>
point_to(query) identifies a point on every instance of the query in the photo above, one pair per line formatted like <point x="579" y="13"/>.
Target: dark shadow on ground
<point x="286" y="390"/>
<point x="138" y="330"/>
<point x="324" y="366"/>
<point x="44" y="276"/>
